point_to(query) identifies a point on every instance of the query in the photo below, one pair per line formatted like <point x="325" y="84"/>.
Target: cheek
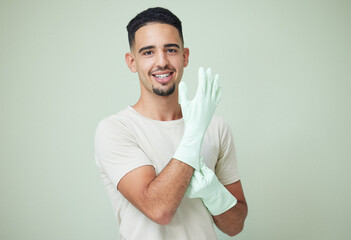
<point x="146" y="65"/>
<point x="178" y="63"/>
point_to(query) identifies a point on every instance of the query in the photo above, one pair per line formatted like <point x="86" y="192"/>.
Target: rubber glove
<point x="197" y="115"/>
<point x="205" y="185"/>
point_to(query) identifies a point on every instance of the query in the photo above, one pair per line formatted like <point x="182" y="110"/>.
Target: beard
<point x="164" y="92"/>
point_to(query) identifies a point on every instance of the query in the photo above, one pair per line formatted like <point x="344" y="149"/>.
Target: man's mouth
<point x="162" y="75"/>
<point x="163" y="78"/>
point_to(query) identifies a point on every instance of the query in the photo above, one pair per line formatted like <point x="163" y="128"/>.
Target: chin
<point x="164" y="92"/>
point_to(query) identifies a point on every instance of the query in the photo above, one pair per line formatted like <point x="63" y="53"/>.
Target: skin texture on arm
<point x="231" y="222"/>
<point x="158" y="197"/>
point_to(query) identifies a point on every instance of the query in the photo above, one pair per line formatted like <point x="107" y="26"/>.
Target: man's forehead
<point x="153" y="33"/>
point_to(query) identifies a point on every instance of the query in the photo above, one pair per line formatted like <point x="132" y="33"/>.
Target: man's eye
<point x="171" y="50"/>
<point x="148" y="53"/>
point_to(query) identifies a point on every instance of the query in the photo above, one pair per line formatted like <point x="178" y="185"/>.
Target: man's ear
<point x="130" y="62"/>
<point x="185" y="57"/>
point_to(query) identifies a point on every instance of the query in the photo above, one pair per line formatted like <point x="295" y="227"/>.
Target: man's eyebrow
<point x="172" y="45"/>
<point x="166" y="45"/>
<point x="145" y="48"/>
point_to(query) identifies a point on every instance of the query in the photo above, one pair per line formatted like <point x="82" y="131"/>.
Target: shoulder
<point x="220" y="129"/>
<point x="219" y="124"/>
<point x="116" y="122"/>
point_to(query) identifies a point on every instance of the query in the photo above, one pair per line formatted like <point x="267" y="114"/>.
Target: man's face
<point x="159" y="58"/>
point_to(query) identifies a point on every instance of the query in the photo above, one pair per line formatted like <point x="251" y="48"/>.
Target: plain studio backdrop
<point x="285" y="69"/>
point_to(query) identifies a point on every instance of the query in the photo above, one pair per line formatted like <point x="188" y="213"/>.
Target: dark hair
<point x="153" y="15"/>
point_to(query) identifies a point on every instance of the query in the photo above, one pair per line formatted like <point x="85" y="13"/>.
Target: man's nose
<point x="162" y="59"/>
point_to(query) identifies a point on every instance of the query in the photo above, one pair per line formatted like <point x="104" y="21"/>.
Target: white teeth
<point x="163" y="75"/>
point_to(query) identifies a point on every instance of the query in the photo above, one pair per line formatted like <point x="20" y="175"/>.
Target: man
<point x="158" y="158"/>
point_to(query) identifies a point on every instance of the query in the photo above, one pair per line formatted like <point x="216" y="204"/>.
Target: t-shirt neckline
<point x="163" y="123"/>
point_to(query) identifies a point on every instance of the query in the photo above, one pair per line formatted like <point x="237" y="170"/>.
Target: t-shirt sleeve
<point x="116" y="150"/>
<point x="227" y="167"/>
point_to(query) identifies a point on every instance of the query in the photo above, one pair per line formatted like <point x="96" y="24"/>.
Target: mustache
<point x="162" y="69"/>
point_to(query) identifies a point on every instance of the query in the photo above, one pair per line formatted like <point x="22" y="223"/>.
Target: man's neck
<point x="159" y="108"/>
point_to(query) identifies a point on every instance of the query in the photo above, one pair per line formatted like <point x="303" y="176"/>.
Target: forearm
<point x="231" y="222"/>
<point x="164" y="193"/>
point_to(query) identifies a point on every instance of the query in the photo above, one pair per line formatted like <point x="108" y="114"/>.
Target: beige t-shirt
<point x="128" y="140"/>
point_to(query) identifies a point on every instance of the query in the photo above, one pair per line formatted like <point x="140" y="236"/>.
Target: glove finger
<point x="201" y="81"/>
<point x="206" y="173"/>
<point x="218" y="95"/>
<point x="215" y="88"/>
<point x="209" y="80"/>
<point x="202" y="180"/>
<point x="218" y="90"/>
<point x="209" y="175"/>
<point x="202" y="164"/>
<point x="183" y="93"/>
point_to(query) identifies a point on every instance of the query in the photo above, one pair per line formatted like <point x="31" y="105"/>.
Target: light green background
<point x="285" y="69"/>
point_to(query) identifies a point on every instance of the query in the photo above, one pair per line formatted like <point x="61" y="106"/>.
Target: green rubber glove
<point x="197" y="115"/>
<point x="205" y="185"/>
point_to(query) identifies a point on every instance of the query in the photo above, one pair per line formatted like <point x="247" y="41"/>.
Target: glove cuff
<point x="220" y="201"/>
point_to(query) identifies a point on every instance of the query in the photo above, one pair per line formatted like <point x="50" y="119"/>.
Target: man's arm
<point x="157" y="197"/>
<point x="231" y="222"/>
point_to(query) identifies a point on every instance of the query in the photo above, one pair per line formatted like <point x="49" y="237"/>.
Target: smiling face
<point x="159" y="58"/>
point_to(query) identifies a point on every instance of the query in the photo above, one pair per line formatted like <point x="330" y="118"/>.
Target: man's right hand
<point x="197" y="115"/>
